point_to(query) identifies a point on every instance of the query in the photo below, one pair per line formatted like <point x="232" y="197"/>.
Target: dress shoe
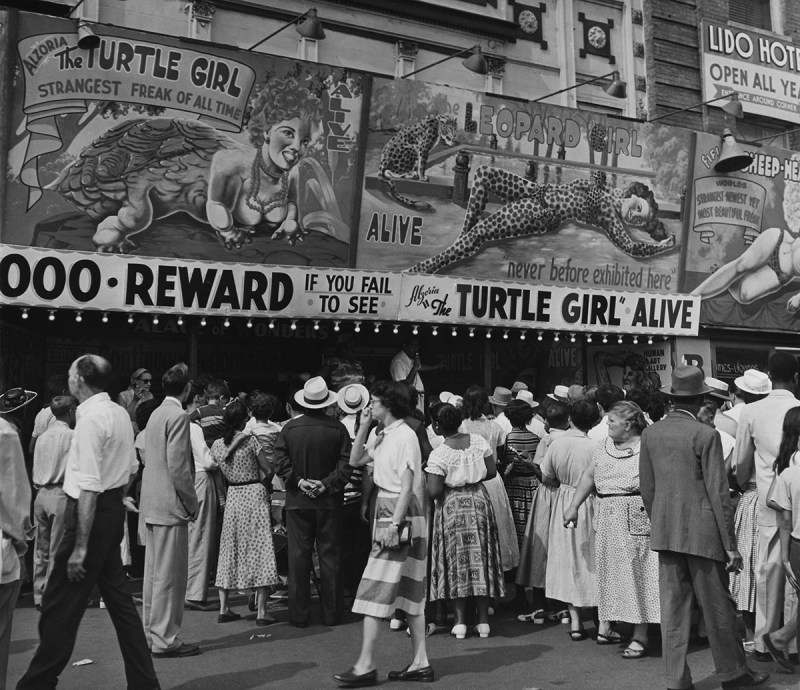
<point x="751" y="679"/>
<point x="357" y="680"/>
<point x="781" y="656"/>
<point x="267" y="620"/>
<point x="761" y="656"/>
<point x="228" y="617"/>
<point x="421" y="675"/>
<point x="178" y="652"/>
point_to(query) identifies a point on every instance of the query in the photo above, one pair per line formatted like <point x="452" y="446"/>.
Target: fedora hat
<point x="501" y="396"/>
<point x="687" y="382"/>
<point x="315" y="394"/>
<point x="527" y="397"/>
<point x="719" y="389"/>
<point x="560" y="393"/>
<point x="353" y="398"/>
<point x="14" y="399"/>
<point x="518" y="386"/>
<point x="754" y="381"/>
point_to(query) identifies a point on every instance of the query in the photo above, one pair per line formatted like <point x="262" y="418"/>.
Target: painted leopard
<point x="406" y="153"/>
<point x="535" y="209"/>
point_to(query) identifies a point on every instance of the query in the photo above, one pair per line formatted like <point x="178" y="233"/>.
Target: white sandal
<point x="482" y="629"/>
<point x="536" y="617"/>
<point x="459" y="631"/>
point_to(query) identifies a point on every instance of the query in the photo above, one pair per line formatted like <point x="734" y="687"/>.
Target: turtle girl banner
<point x="743" y="248"/>
<point x="474" y="185"/>
<point x="150" y="146"/>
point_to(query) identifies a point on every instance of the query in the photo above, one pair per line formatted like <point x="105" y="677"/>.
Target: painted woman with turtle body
<point x="246" y="195"/>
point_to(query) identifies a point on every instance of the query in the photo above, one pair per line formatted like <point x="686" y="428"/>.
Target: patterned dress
<point x="745" y="523"/>
<point x="465" y="554"/>
<point x="521" y="483"/>
<point x="246" y="552"/>
<point x="627" y="570"/>
<point x="506" y="531"/>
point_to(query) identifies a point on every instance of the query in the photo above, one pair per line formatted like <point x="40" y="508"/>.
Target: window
<point x="494" y="84"/>
<point x="404" y="65"/>
<point x="308" y="49"/>
<point x="751" y="12"/>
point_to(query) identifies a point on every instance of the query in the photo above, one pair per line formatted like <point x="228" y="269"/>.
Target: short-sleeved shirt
<point x="787" y="495"/>
<point x="567" y="456"/>
<point x="210" y="419"/>
<point x="50" y="454"/>
<point x="460" y="467"/>
<point x="42" y="422"/>
<point x="488" y="428"/>
<point x="397" y="449"/>
<point x="101" y="456"/>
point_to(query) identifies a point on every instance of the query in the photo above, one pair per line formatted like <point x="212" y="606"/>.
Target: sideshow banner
<point x="645" y="367"/>
<point x="149" y="146"/>
<point x="473" y="185"/>
<point x="742" y="253"/>
<point x="763" y="70"/>
<point x="511" y="305"/>
<point x="110" y="282"/>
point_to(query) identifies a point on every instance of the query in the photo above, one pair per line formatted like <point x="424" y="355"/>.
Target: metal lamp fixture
<point x="474" y="63"/>
<point x="732" y="107"/>
<point x="616" y="89"/>
<point x="87" y="38"/>
<point x="307" y="24"/>
<point x="731" y="157"/>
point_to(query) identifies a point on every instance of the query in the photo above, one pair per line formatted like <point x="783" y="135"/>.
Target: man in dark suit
<point x="168" y="504"/>
<point x="312" y="455"/>
<point x="685" y="492"/>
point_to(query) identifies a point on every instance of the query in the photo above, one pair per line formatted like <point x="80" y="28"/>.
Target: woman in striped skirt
<point x="395" y="576"/>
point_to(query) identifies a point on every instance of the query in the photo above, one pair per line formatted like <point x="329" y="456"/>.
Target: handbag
<point x="382" y="527"/>
<point x="638" y="521"/>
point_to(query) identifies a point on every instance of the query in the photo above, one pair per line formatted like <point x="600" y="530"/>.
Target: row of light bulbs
<point x="376" y="328"/>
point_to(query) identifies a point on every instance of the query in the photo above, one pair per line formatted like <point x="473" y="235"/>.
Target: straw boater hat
<point x="501" y="396"/>
<point x="527" y="397"/>
<point x="560" y="393"/>
<point x="518" y="386"/>
<point x="754" y="381"/>
<point x="315" y="394"/>
<point x="445" y="396"/>
<point x="14" y="399"/>
<point x="353" y="398"/>
<point x="719" y="389"/>
<point x="687" y="382"/>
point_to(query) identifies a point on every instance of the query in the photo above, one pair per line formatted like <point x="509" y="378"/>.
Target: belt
<point x="252" y="481"/>
<point x="630" y="493"/>
<point x="54" y="485"/>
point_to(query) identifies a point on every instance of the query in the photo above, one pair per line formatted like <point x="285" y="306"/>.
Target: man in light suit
<point x="685" y="492"/>
<point x="168" y="504"/>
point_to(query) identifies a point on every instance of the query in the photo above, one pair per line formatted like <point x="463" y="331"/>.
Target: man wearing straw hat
<point x="685" y="492"/>
<point x="312" y="456"/>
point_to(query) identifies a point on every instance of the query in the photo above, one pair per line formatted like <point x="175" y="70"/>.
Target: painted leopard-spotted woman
<point x="536" y="209"/>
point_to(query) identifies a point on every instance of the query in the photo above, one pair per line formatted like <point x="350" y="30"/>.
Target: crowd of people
<point x="630" y="509"/>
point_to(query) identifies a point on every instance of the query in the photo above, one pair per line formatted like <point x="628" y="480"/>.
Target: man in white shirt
<point x="758" y="438"/>
<point x="15" y="525"/>
<point x="50" y="506"/>
<point x="406" y="366"/>
<point x="100" y="466"/>
<point x="606" y="396"/>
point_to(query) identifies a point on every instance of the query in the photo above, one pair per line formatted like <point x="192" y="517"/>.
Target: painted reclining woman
<point x="536" y="209"/>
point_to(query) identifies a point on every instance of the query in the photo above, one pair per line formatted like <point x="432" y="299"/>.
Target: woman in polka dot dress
<point x="627" y="570"/>
<point x="246" y="553"/>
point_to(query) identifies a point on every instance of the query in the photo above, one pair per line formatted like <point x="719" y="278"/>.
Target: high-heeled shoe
<point x="459" y="631"/>
<point x="482" y="629"/>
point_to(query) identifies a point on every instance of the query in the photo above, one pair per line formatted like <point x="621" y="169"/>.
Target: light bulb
<point x="203" y="322"/>
<point x="272" y="323"/>
<point x="522" y="335"/>
<point x="130" y="318"/>
<point x="357" y="327"/>
<point x="588" y="337"/>
<point x="489" y="333"/>
<point x="24" y="313"/>
<point x="471" y="332"/>
<point x="395" y="329"/>
<point x="293" y="325"/>
<point x="249" y="323"/>
<point x="180" y="321"/>
<point x="650" y="340"/>
<point x="556" y="338"/>
<point x="336" y="326"/>
<point x="435" y="330"/>
<point x="52" y="316"/>
<point x="79" y="316"/>
<point x="226" y="323"/>
<point x="605" y="338"/>
<point x="316" y="325"/>
<point x="105" y="317"/>
<point x="415" y="330"/>
<point x="619" y="339"/>
<point x="505" y="334"/>
<point x="155" y="319"/>
<point x="539" y="336"/>
<point x="635" y="340"/>
<point x="454" y="332"/>
<point x="377" y="327"/>
<point x="572" y="337"/>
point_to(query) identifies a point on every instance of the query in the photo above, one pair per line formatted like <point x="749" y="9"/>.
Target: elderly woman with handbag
<point x="395" y="576"/>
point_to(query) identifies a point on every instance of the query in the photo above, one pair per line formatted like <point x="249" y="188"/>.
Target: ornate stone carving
<point x="496" y="65"/>
<point x="201" y="10"/>
<point x="636" y="17"/>
<point x="638" y="49"/>
<point x="641" y="83"/>
<point x="407" y="49"/>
